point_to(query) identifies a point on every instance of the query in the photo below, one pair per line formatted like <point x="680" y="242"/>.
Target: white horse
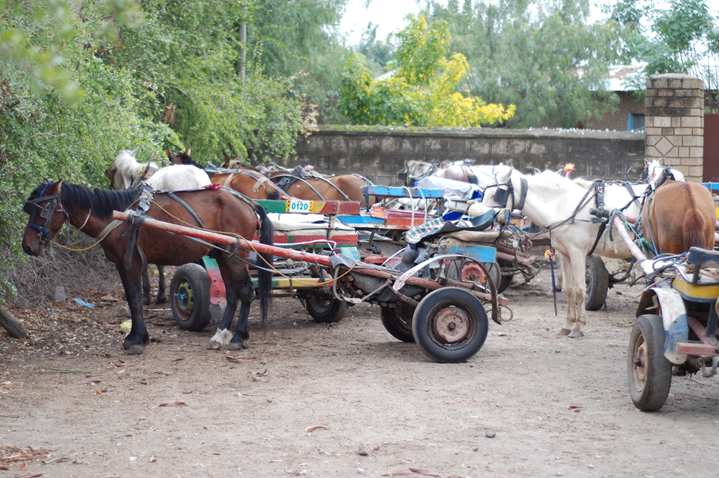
<point x="655" y="168"/>
<point x="563" y="205"/>
<point x="125" y="172"/>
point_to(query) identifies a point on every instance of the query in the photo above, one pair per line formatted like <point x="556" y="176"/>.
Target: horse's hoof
<point x="134" y="349"/>
<point x="214" y="345"/>
<point x="575" y="334"/>
<point x="161" y="300"/>
<point x="235" y="346"/>
<point x="564" y="331"/>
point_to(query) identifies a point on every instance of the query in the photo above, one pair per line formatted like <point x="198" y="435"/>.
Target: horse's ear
<point x="227" y="160"/>
<point x="45" y="180"/>
<point x="187" y="152"/>
<point x="168" y="153"/>
<point x="57" y="186"/>
<point x="134" y="152"/>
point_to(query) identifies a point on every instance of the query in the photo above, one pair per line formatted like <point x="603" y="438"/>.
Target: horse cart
<point x="438" y="285"/>
<point x="676" y="326"/>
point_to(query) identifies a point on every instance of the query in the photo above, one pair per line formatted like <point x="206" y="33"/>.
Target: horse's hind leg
<point x="245" y="292"/>
<point x="231" y="276"/>
<point x="162" y="289"/>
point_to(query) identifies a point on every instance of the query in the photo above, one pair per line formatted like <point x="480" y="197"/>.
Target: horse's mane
<point x="553" y="178"/>
<point x="102" y="202"/>
<point x="186" y="159"/>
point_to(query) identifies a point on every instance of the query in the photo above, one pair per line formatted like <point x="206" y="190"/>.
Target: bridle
<point x="46" y="213"/>
<point x="501" y="197"/>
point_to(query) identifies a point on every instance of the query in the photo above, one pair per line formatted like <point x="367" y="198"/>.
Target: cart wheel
<point x="324" y="308"/>
<point x="649" y="372"/>
<point x="597" y="280"/>
<point x="190" y="297"/>
<point x="450" y="325"/>
<point x="505" y="281"/>
<point x="398" y="321"/>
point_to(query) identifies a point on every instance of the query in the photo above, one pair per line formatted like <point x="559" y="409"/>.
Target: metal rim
<point x="184" y="298"/>
<point x="321" y="303"/>
<point x="639" y="373"/>
<point x="451" y="326"/>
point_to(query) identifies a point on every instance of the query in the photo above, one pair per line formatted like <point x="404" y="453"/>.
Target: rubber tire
<point x="192" y="277"/>
<point x="597" y="283"/>
<point x="505" y="281"/>
<point x="323" y="313"/>
<point x="495" y="273"/>
<point x="396" y="324"/>
<point x="423" y="321"/>
<point x="657" y="370"/>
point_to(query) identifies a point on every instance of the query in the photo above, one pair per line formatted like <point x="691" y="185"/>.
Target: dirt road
<point x="375" y="406"/>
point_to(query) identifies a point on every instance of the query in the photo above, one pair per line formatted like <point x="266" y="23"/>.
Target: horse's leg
<point x="146" y="284"/>
<point x="223" y="336"/>
<point x="579" y="274"/>
<point x="138" y="338"/>
<point x="567" y="277"/>
<point x="162" y="289"/>
<point x="243" y="284"/>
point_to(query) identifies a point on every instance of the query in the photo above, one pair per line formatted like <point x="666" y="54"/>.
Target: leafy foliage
<point x="422" y="91"/>
<point x="81" y="80"/>
<point x="683" y="38"/>
<point x="538" y="54"/>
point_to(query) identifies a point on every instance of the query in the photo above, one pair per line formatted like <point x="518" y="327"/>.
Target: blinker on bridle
<point x="501" y="197"/>
<point x="46" y="211"/>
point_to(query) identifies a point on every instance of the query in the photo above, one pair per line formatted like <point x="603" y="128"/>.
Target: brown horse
<point x="346" y="187"/>
<point x="679" y="215"/>
<point x="90" y="210"/>
<point x="243" y="179"/>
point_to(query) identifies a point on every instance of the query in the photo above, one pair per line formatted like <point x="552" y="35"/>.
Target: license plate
<point x="298" y="205"/>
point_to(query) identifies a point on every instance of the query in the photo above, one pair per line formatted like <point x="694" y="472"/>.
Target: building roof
<point x="623" y="77"/>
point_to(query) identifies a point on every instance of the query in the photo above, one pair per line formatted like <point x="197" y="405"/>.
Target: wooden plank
<point x="297" y="283"/>
<point x="399" y="192"/>
<point x="369" y="222"/>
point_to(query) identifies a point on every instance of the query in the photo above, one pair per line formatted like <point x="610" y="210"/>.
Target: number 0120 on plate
<point x="298" y="205"/>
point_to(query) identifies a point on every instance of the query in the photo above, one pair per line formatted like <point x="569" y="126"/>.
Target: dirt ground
<point x="343" y="400"/>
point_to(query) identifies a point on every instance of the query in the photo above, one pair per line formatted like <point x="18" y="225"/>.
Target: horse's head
<point x="179" y="157"/>
<point x="230" y="163"/>
<point x="498" y="191"/>
<point x="46" y="217"/>
<point x="655" y="171"/>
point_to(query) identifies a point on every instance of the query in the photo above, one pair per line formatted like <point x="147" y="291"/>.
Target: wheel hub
<point x="472" y="273"/>
<point x="451" y="324"/>
<point x="185" y="298"/>
<point x="639" y="363"/>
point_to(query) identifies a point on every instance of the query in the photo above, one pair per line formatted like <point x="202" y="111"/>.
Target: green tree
<point x="301" y="40"/>
<point x="683" y="38"/>
<point x="422" y="91"/>
<point x="541" y="55"/>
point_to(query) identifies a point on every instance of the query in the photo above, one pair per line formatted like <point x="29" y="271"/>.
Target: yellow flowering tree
<point x="422" y="90"/>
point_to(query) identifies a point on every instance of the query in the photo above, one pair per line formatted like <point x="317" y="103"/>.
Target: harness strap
<point x="581" y="202"/>
<point x="522" y="193"/>
<point x="172" y="195"/>
<point x="286" y="186"/>
<point x="228" y="181"/>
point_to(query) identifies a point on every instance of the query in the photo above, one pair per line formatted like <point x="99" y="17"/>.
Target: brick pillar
<point x="674" y="123"/>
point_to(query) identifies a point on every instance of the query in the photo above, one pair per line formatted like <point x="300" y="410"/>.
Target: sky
<point x="389" y="15"/>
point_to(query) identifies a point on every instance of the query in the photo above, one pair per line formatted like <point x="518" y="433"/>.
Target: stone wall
<point x="674" y="123"/>
<point x="379" y="153"/>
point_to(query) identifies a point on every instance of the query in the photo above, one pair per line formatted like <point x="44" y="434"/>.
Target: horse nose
<point x="27" y="249"/>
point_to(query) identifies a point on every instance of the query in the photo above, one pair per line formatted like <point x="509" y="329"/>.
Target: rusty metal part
<point x="451" y="324"/>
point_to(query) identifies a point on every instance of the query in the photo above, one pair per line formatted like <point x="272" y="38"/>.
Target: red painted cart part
<point x="301" y="256"/>
<point x="703" y="348"/>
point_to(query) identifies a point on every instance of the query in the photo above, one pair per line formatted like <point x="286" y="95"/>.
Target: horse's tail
<point x="264" y="269"/>
<point x="693" y="230"/>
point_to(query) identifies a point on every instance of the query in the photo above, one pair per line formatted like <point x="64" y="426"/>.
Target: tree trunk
<point x="12" y="325"/>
